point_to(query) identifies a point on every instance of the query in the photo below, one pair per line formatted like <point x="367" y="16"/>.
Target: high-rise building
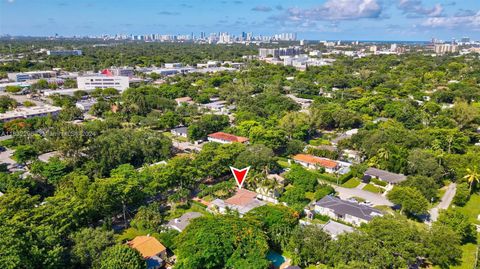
<point x="445" y="48"/>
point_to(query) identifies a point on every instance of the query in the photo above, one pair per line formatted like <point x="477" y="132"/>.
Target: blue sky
<point x="320" y="19"/>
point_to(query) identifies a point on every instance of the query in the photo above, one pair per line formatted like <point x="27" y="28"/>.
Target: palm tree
<point x="472" y="176"/>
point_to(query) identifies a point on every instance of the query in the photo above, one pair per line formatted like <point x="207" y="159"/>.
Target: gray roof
<point x="385" y="175"/>
<point x="342" y="207"/>
<point x="334" y="228"/>
<point x="181" y="223"/>
<point x="180" y="130"/>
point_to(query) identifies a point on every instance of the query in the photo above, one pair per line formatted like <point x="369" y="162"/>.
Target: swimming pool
<point x="275" y="258"/>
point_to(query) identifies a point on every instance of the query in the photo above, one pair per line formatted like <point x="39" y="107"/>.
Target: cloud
<point x="10" y="1"/>
<point x="338" y="10"/>
<point x="464" y="13"/>
<point x="238" y="2"/>
<point x="279" y="7"/>
<point x="262" y="9"/>
<point x="471" y="21"/>
<point x="168" y="13"/>
<point x="415" y="9"/>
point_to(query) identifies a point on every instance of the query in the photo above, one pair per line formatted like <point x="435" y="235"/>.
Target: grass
<point x="468" y="257"/>
<point x="179" y="211"/>
<point x="472" y="208"/>
<point x="371" y="188"/>
<point x="351" y="183"/>
<point x="283" y="164"/>
<point x="310" y="195"/>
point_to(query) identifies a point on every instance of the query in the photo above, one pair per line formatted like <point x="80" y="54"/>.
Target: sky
<point x="409" y="20"/>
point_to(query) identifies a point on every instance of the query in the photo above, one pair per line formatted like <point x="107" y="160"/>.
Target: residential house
<point x="151" y="250"/>
<point x="180" y="131"/>
<point x="350" y="212"/>
<point x="243" y="201"/>
<point x="314" y="162"/>
<point x="386" y="176"/>
<point x="224" y="138"/>
<point x="184" y="100"/>
<point x="181" y="223"/>
<point x="334" y="229"/>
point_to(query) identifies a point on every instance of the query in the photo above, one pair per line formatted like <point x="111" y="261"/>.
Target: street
<point x="445" y="201"/>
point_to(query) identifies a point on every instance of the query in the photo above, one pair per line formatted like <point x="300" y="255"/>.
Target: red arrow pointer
<point x="240" y="175"/>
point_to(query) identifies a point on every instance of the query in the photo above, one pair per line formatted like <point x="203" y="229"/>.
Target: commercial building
<point x="102" y="81"/>
<point x="29" y="112"/>
<point x="64" y="52"/>
<point x="350" y="212"/>
<point x="123" y="72"/>
<point x="279" y="52"/>
<point x="24" y="76"/>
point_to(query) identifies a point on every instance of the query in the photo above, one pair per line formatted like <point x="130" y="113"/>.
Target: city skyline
<point x="408" y="20"/>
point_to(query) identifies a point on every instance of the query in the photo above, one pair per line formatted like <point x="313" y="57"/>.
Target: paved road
<point x="445" y="201"/>
<point x="375" y="199"/>
<point x="5" y="157"/>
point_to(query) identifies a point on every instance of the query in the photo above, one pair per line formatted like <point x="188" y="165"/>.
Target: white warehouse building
<point x="93" y="82"/>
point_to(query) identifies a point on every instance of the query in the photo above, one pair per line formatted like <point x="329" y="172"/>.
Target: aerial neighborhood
<point x="239" y="151"/>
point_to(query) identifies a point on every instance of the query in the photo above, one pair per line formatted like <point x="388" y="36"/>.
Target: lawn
<point x="283" y="164"/>
<point x="468" y="257"/>
<point x="351" y="183"/>
<point x="371" y="188"/>
<point x="472" y="208"/>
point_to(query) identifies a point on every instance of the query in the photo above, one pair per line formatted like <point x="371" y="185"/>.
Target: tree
<point x="221" y="241"/>
<point x="426" y="185"/>
<point x="121" y="257"/>
<point x="411" y="200"/>
<point x="24" y="154"/>
<point x="472" y="176"/>
<point x="88" y="245"/>
<point x="277" y="221"/>
<point x="148" y="218"/>
<point x="308" y="245"/>
<point x="259" y="157"/>
<point x="443" y="246"/>
<point x="459" y="222"/>
<point x="462" y="195"/>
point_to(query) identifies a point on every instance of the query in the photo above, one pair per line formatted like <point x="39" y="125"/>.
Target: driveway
<point x="5" y="157"/>
<point x="445" y="201"/>
<point x="375" y="199"/>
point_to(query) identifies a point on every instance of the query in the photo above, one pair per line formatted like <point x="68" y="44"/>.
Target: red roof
<point x="241" y="198"/>
<point x="228" y="137"/>
<point x="107" y="72"/>
<point x="306" y="158"/>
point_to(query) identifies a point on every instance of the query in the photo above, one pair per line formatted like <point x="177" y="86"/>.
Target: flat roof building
<point x="103" y="81"/>
<point x="24" y="76"/>
<point x="64" y="52"/>
<point x="30" y="112"/>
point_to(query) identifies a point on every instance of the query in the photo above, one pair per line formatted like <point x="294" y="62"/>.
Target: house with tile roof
<point x="243" y="201"/>
<point x="224" y="138"/>
<point x="347" y="211"/>
<point x="151" y="250"/>
<point x="314" y="162"/>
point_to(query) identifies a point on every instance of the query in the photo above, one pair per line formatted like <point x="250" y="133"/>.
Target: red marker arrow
<point x="240" y="175"/>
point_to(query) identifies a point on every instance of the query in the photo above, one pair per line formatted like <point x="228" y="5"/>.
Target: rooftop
<point x="24" y="112"/>
<point x="386" y="175"/>
<point x="324" y="162"/>
<point x="228" y="137"/>
<point x="342" y="207"/>
<point x="335" y="229"/>
<point x="147" y="246"/>
<point x="243" y="201"/>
